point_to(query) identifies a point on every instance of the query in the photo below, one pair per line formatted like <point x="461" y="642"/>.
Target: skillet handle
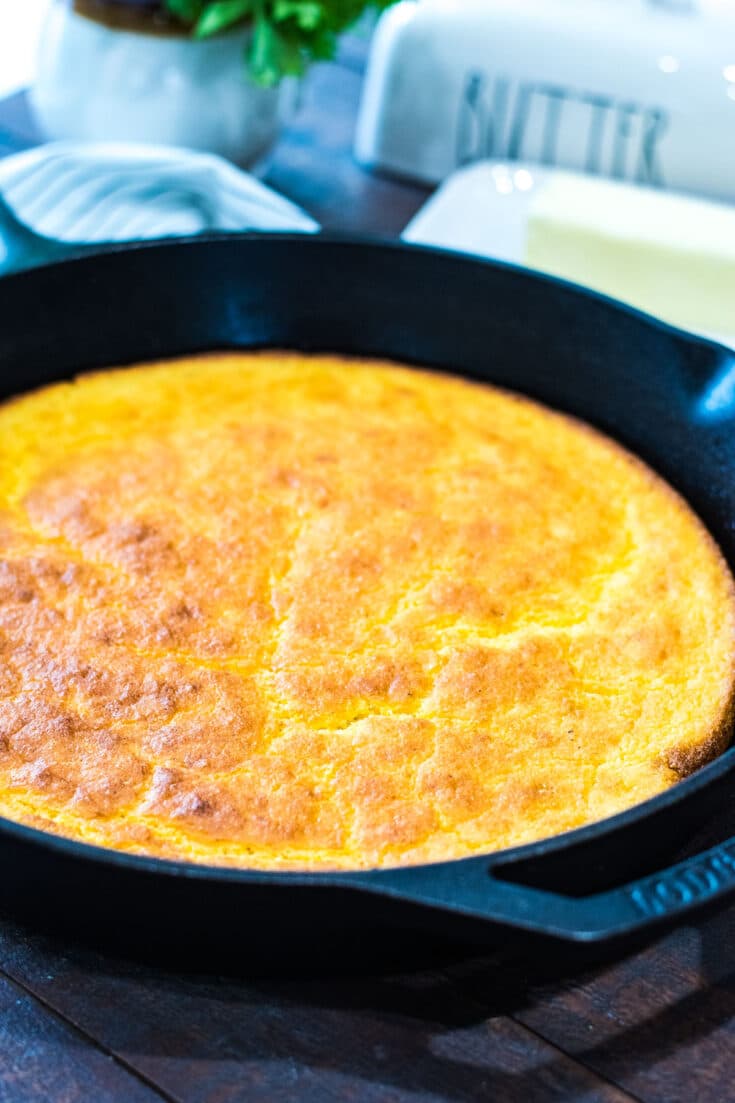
<point x="652" y="902"/>
<point x="648" y="904"/>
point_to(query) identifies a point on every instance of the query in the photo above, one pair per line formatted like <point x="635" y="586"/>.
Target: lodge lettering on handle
<point x="693" y="881"/>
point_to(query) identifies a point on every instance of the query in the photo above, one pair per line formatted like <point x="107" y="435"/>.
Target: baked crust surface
<point x="279" y="611"/>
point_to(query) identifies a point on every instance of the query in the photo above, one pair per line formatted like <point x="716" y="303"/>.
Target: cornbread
<point x="280" y="611"/>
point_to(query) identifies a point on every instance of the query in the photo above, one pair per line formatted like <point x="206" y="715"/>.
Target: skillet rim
<point x="550" y="846"/>
<point x="382" y="242"/>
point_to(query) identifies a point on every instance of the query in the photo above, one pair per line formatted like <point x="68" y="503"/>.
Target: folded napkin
<point x="67" y="194"/>
<point x="669" y="254"/>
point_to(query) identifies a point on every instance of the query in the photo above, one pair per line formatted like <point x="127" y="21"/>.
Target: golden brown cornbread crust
<point x="281" y="611"/>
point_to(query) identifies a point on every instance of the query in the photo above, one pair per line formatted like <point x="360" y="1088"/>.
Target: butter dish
<point x="668" y="254"/>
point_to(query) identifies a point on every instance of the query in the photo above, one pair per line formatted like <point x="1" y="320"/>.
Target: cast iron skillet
<point x="667" y="396"/>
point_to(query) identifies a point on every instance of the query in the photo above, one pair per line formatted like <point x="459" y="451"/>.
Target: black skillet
<point x="667" y="396"/>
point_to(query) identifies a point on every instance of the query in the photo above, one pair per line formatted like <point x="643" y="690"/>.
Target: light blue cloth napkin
<point x="66" y="197"/>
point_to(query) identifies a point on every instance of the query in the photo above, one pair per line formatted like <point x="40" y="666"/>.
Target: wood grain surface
<point x="43" y="1057"/>
<point x="79" y="1025"/>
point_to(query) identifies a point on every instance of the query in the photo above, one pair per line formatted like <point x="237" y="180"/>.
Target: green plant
<point x="287" y="34"/>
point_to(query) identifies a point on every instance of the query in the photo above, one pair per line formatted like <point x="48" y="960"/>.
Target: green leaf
<point x="188" y="11"/>
<point x="322" y="45"/>
<point x="291" y="58"/>
<point x="287" y="34"/>
<point x="220" y="15"/>
<point x="307" y="14"/>
<point x="264" y="53"/>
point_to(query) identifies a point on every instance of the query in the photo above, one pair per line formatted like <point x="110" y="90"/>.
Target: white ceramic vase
<point x="99" y="83"/>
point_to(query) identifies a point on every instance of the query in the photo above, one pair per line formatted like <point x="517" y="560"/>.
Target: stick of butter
<point x="669" y="254"/>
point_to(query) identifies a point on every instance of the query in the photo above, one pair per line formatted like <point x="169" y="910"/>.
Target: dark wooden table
<point x="77" y="1025"/>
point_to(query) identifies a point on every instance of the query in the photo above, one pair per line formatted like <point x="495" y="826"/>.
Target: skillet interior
<point x="667" y="397"/>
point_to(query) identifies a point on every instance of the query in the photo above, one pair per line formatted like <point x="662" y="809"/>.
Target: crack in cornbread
<point x="280" y="611"/>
